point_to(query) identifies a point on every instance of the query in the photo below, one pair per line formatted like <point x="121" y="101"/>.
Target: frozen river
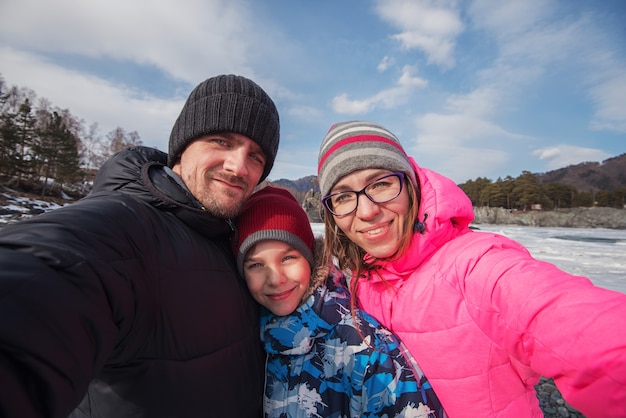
<point x="599" y="254"/>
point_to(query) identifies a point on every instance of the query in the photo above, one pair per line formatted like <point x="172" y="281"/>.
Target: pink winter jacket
<point x="485" y="320"/>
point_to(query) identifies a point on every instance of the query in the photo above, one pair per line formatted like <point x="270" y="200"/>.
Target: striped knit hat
<point x="357" y="145"/>
<point x="273" y="213"/>
<point x="227" y="103"/>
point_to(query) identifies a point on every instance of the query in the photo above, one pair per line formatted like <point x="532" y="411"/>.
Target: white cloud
<point x="294" y="164"/>
<point x="386" y="99"/>
<point x="461" y="146"/>
<point x="483" y="101"/>
<point x="343" y="104"/>
<point x="507" y="18"/>
<point x="185" y="41"/>
<point x="460" y="160"/>
<point x="562" y="155"/>
<point x="533" y="42"/>
<point x="305" y="113"/>
<point x="428" y="25"/>
<point x="188" y="40"/>
<point x="384" y="64"/>
<point x="526" y="49"/>
<point x="407" y="80"/>
<point x="467" y="163"/>
<point x="609" y="97"/>
<point x="93" y="99"/>
<point x="465" y="137"/>
<point x="459" y="129"/>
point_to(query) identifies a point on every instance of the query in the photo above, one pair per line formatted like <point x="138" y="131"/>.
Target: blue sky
<point x="478" y="88"/>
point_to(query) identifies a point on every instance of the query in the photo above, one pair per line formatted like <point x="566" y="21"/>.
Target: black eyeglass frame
<point x="326" y="199"/>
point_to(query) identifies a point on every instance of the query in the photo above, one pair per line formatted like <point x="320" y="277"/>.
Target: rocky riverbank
<point x="599" y="217"/>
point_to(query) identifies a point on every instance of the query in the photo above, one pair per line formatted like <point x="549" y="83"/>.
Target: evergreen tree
<point x="24" y="137"/>
<point x="612" y="198"/>
<point x="16" y="132"/>
<point x="8" y="144"/>
<point x="508" y="184"/>
<point x="583" y="199"/>
<point x="6" y="129"/>
<point x="494" y="195"/>
<point x="474" y="188"/>
<point x="527" y="191"/>
<point x="56" y="153"/>
<point x="557" y="195"/>
<point x="67" y="161"/>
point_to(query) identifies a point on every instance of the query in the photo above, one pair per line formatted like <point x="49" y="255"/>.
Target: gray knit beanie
<point x="227" y="103"/>
<point x="357" y="145"/>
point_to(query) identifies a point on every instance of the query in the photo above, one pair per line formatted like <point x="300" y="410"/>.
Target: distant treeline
<point x="44" y="148"/>
<point x="527" y="192"/>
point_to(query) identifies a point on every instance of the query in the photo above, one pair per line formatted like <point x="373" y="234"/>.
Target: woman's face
<point x="375" y="227"/>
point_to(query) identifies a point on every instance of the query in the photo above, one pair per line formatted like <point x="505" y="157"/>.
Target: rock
<point x="312" y="206"/>
<point x="596" y="217"/>
<point x="551" y="401"/>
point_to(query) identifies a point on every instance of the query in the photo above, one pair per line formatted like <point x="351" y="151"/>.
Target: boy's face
<point x="277" y="276"/>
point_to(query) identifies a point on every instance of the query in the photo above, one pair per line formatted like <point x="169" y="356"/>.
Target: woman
<point x="502" y="318"/>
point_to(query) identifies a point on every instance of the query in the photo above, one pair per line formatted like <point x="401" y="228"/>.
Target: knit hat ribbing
<point x="273" y="213"/>
<point x="357" y="145"/>
<point x="227" y="103"/>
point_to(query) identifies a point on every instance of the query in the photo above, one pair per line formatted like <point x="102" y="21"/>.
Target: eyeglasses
<point x="381" y="190"/>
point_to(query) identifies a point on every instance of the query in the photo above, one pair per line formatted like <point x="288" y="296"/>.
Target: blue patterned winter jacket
<point x="320" y="363"/>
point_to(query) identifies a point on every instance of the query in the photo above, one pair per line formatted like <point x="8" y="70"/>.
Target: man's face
<point x="221" y="170"/>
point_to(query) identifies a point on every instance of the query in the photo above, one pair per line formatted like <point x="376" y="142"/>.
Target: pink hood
<point x="447" y="212"/>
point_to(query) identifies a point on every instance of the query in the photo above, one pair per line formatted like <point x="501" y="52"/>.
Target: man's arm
<point x="63" y="308"/>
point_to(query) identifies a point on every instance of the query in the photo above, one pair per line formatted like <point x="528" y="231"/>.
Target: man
<point x="128" y="302"/>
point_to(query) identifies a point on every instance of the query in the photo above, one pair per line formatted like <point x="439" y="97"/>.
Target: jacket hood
<point x="446" y="212"/>
<point x="142" y="172"/>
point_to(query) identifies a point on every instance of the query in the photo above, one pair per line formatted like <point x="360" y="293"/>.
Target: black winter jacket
<point x="126" y="303"/>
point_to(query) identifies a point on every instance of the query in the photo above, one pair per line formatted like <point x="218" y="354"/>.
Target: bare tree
<point x="120" y="140"/>
<point x="92" y="149"/>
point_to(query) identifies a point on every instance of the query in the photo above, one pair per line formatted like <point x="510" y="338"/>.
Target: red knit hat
<point x="273" y="213"/>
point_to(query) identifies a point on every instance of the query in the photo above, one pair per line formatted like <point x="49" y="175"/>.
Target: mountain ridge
<point x="609" y="174"/>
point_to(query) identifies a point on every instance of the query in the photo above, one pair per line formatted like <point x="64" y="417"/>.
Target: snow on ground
<point x="14" y="207"/>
